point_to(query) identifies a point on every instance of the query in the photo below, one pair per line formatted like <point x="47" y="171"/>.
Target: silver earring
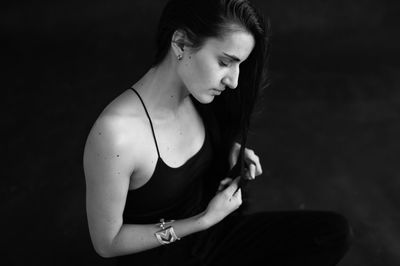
<point x="179" y="56"/>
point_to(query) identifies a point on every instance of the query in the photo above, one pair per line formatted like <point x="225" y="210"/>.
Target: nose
<point x="232" y="78"/>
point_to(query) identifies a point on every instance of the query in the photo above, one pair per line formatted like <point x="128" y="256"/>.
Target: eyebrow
<point x="232" y="57"/>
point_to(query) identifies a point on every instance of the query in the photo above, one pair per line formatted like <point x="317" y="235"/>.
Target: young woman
<point x="157" y="159"/>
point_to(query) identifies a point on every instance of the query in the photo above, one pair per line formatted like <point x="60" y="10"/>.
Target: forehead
<point x="237" y="43"/>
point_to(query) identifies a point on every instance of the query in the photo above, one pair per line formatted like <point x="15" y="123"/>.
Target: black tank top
<point x="171" y="193"/>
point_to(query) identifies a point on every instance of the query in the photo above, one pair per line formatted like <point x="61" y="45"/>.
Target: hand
<point x="252" y="161"/>
<point x="224" y="202"/>
<point x="224" y="183"/>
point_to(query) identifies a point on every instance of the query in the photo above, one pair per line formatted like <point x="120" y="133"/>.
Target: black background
<point x="328" y="133"/>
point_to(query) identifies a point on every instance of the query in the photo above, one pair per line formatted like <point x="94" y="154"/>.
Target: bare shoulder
<point x="114" y="138"/>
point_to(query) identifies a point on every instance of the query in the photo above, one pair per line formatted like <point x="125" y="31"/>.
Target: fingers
<point x="224" y="183"/>
<point x="236" y="198"/>
<point x="253" y="162"/>
<point x="238" y="195"/>
<point x="252" y="171"/>
<point x="233" y="186"/>
<point x="234" y="154"/>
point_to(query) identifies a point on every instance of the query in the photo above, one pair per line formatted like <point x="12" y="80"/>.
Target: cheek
<point x="203" y="70"/>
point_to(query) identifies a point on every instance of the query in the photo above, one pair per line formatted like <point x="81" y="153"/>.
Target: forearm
<point x="133" y="238"/>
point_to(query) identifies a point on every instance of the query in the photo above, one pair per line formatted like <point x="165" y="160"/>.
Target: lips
<point x="217" y="91"/>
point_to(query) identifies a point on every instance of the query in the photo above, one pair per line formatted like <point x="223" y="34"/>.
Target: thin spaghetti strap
<point x="151" y="124"/>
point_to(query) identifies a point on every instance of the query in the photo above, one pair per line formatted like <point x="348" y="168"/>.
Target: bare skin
<point x="120" y="153"/>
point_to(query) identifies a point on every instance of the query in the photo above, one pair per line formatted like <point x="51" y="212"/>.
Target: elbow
<point x="104" y="250"/>
<point x="103" y="253"/>
<point x="104" y="244"/>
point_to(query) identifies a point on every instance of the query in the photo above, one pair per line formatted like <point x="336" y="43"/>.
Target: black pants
<point x="268" y="238"/>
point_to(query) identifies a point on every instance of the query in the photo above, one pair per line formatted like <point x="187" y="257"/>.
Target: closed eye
<point x="223" y="64"/>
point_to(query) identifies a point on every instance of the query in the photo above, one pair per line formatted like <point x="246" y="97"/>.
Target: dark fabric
<point x="268" y="238"/>
<point x="171" y="193"/>
<point x="284" y="238"/>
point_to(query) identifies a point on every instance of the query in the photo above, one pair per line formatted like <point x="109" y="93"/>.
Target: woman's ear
<point x="178" y="42"/>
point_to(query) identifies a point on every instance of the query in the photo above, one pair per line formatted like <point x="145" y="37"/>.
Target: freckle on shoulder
<point x="118" y="125"/>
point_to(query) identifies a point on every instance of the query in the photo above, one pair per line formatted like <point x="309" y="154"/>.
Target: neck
<point x="162" y="89"/>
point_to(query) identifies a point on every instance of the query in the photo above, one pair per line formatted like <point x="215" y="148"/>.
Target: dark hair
<point x="202" y="19"/>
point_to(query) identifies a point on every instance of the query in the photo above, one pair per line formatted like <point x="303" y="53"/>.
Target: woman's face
<point x="208" y="71"/>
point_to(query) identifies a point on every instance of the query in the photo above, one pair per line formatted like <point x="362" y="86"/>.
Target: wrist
<point x="204" y="221"/>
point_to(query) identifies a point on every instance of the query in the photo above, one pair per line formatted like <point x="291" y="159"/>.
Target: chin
<point x="204" y="99"/>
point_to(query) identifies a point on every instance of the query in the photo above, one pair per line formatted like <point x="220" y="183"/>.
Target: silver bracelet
<point x="166" y="235"/>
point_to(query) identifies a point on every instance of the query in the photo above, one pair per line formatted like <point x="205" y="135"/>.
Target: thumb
<point x="233" y="186"/>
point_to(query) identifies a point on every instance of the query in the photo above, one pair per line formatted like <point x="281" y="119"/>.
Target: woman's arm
<point x="108" y="164"/>
<point x="133" y="238"/>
